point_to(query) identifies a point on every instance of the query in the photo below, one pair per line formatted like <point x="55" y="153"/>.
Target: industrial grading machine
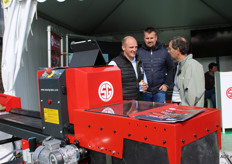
<point x="83" y="119"/>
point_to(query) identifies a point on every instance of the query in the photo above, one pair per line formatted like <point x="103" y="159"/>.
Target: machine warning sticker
<point x="105" y="91"/>
<point x="51" y="115"/>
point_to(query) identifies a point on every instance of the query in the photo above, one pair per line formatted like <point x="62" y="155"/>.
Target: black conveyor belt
<point x="22" y="124"/>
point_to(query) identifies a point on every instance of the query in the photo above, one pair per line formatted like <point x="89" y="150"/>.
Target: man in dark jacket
<point x="131" y="69"/>
<point x="158" y="66"/>
<point x="209" y="83"/>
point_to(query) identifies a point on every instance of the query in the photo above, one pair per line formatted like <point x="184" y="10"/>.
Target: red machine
<point x="84" y="119"/>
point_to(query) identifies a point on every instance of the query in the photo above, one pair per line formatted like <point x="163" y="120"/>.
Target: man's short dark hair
<point x="211" y="65"/>
<point x="181" y="43"/>
<point x="150" y="30"/>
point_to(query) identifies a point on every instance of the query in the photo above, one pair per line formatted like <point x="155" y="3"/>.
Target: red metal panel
<point x="105" y="133"/>
<point x="10" y="101"/>
<point x="25" y="144"/>
<point x="39" y="73"/>
<point x="91" y="87"/>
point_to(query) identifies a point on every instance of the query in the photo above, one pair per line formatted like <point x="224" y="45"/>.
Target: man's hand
<point x="163" y="87"/>
<point x="144" y="86"/>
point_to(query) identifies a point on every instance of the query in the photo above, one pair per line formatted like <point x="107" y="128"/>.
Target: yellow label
<point x="51" y="115"/>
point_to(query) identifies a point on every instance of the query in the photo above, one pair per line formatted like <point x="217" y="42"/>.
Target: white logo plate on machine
<point x="105" y="91"/>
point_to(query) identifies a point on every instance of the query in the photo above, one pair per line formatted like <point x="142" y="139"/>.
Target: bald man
<point x="131" y="70"/>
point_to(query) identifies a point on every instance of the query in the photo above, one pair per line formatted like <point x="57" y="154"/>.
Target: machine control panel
<point x="53" y="100"/>
<point x="52" y="74"/>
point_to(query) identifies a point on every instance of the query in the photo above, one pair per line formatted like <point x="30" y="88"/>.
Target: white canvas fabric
<point x="18" y="17"/>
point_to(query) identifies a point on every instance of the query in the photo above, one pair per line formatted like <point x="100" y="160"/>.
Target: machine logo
<point x="229" y="93"/>
<point x="105" y="91"/>
<point x="108" y="110"/>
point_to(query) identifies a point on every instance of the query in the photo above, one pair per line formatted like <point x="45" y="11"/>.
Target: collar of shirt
<point x="134" y="66"/>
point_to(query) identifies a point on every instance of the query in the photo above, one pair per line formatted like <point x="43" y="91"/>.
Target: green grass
<point x="228" y="131"/>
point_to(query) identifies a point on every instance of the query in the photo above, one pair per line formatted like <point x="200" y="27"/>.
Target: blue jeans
<point x="157" y="97"/>
<point x="210" y="94"/>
